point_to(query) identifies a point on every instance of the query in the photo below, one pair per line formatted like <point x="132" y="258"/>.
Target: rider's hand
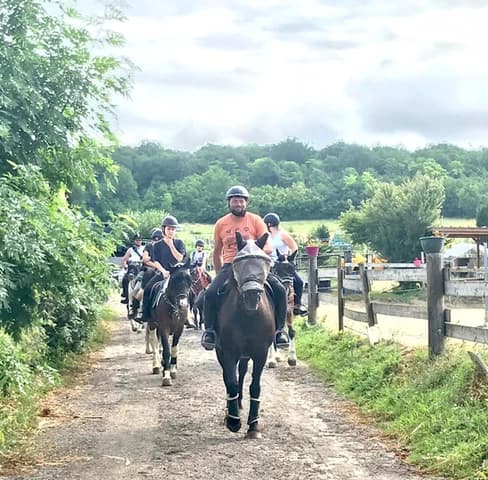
<point x="168" y="241"/>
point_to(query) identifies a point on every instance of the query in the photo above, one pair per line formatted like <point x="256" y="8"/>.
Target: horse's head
<point x="285" y="268"/>
<point x="179" y="284"/>
<point x="133" y="268"/>
<point x="250" y="268"/>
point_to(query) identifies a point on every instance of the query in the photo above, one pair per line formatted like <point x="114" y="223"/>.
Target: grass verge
<point x="28" y="385"/>
<point x="436" y="409"/>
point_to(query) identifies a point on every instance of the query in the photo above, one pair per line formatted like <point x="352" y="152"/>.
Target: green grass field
<point x="298" y="228"/>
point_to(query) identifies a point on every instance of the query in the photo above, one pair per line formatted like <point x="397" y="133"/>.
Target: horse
<point x="134" y="274"/>
<point x="245" y="330"/>
<point x="284" y="269"/>
<point x="168" y="318"/>
<point x="200" y="280"/>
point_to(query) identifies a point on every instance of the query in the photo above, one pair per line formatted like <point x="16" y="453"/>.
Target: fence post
<point x="313" y="295"/>
<point x="340" y="293"/>
<point x="366" y="295"/>
<point x="435" y="303"/>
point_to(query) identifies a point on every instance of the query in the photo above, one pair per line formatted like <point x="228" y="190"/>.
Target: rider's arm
<point x="289" y="242"/>
<point x="125" y="258"/>
<point x="178" y="256"/>
<point x="217" y="254"/>
<point x="146" y="258"/>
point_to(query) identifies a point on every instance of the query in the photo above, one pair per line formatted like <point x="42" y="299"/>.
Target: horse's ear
<point x="240" y="241"/>
<point x="281" y="258"/>
<point x="291" y="258"/>
<point x="261" y="241"/>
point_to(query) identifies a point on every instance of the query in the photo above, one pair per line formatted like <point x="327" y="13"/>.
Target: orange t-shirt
<point x="250" y="226"/>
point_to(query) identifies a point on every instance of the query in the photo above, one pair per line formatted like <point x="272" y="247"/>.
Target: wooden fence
<point x="440" y="280"/>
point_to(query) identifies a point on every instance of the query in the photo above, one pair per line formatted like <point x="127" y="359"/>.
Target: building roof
<point x="476" y="233"/>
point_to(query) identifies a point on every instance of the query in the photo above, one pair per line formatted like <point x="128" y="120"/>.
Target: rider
<point x="133" y="254"/>
<point x="156" y="235"/>
<point x="166" y="253"/>
<point x="251" y="226"/>
<point x="199" y="256"/>
<point x="282" y="241"/>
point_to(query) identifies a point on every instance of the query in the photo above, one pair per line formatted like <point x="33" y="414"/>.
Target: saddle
<point x="157" y="291"/>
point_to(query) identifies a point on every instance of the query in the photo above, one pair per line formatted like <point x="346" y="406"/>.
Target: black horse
<point x="168" y="317"/>
<point x="246" y="328"/>
<point x="284" y="268"/>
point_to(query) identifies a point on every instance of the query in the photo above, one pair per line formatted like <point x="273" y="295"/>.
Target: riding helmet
<point x="237" y="191"/>
<point x="169" y="221"/>
<point x="271" y="219"/>
<point x="136" y="236"/>
<point x="157" y="234"/>
<point x="199" y="243"/>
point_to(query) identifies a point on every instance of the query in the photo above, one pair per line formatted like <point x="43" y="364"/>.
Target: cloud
<point x="249" y="71"/>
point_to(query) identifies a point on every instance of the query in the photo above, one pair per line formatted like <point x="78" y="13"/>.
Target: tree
<point x="55" y="92"/>
<point x="393" y="219"/>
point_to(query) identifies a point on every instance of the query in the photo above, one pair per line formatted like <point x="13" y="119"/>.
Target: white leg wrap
<point x="154" y="342"/>
<point x="174" y="351"/>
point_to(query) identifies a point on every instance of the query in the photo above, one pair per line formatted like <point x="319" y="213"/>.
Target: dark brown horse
<point x="168" y="318"/>
<point x="246" y="328"/>
<point x="200" y="280"/>
<point x="284" y="268"/>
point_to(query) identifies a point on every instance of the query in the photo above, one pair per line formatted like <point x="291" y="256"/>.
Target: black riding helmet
<point x="136" y="236"/>
<point x="199" y="243"/>
<point x="271" y="219"/>
<point x="169" y="221"/>
<point x="237" y="191"/>
<point x="157" y="234"/>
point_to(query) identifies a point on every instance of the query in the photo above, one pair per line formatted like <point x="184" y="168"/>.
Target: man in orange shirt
<point x="251" y="226"/>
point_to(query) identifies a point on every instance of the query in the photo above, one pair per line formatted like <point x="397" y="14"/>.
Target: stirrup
<point x="281" y="339"/>
<point x="208" y="343"/>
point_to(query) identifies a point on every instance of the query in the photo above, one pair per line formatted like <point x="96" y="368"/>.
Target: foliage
<point x="321" y="232"/>
<point x="55" y="91"/>
<point x="482" y="216"/>
<point x="290" y="178"/>
<point x="54" y="270"/>
<point x="143" y="222"/>
<point x="393" y="219"/>
<point x="437" y="409"/>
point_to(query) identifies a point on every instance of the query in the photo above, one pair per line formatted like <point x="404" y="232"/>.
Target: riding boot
<point x="209" y="314"/>
<point x="125" y="289"/>
<point x="281" y="306"/>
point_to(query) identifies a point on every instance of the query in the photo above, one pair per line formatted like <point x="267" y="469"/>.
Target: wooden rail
<point x="440" y="282"/>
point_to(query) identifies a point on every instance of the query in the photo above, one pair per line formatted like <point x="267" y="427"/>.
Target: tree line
<point x="289" y="177"/>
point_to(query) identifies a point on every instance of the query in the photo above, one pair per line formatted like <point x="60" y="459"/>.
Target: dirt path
<point x="121" y="424"/>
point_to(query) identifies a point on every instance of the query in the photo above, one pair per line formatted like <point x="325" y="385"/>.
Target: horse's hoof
<point x="253" y="435"/>
<point x="156" y="370"/>
<point x="292" y="362"/>
<point x="134" y="328"/>
<point x="272" y="364"/>
<point x="167" y="382"/>
<point x="172" y="374"/>
<point x="233" y="424"/>
<point x="149" y="351"/>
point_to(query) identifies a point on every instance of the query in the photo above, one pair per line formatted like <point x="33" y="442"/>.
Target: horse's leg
<point x="149" y="348"/>
<point x="166" y="362"/>
<point x="272" y="356"/>
<point x="258" y="363"/>
<point x="292" y="354"/>
<point x="229" y="371"/>
<point x="243" y="363"/>
<point x="156" y="354"/>
<point x="174" y="354"/>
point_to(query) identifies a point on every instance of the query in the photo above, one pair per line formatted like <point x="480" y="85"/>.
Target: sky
<point x="405" y="73"/>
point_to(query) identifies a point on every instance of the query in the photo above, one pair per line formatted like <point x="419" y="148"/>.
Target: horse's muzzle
<point x="251" y="299"/>
<point x="182" y="301"/>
